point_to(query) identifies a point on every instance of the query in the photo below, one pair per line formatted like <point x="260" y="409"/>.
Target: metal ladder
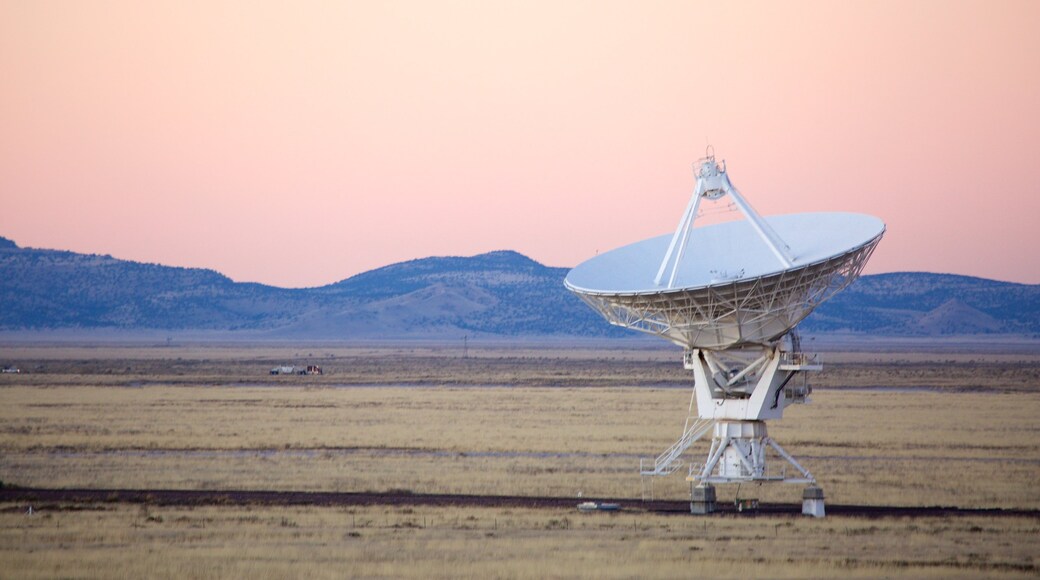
<point x="668" y="461"/>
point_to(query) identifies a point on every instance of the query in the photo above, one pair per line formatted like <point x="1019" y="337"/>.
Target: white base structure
<point x="738" y="454"/>
<point x="735" y="392"/>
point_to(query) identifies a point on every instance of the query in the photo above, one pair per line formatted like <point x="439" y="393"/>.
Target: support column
<point x="812" y="502"/>
<point x="702" y="499"/>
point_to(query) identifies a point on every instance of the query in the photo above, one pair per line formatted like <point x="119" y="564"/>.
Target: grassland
<point x="957" y="429"/>
<point x="113" y="540"/>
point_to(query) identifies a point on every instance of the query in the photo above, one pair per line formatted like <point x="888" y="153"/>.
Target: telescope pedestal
<point x="738" y="454"/>
<point x="739" y="394"/>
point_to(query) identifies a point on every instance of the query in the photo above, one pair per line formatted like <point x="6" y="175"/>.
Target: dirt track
<point x="47" y="498"/>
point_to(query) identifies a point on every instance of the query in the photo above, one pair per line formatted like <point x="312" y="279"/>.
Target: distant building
<point x="283" y="371"/>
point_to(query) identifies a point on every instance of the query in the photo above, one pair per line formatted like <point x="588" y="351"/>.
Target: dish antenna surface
<point x="731" y="295"/>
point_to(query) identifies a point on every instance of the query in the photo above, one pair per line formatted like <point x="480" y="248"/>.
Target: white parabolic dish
<point x="730" y="290"/>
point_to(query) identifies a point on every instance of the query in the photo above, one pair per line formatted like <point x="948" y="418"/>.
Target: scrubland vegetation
<point x="956" y="430"/>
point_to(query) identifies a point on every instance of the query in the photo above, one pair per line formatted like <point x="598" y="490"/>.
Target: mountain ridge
<point x="501" y="293"/>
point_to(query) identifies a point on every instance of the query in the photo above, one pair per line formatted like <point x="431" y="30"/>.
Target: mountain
<point x="499" y="293"/>
<point x="58" y="289"/>
<point x="495" y="294"/>
<point x="921" y="303"/>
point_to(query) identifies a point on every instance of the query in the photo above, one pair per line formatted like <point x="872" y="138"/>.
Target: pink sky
<point x="297" y="144"/>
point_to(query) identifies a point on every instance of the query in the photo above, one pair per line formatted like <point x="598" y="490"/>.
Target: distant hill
<point x="920" y="303"/>
<point x="499" y="293"/>
<point x="57" y="289"/>
<point x="495" y="294"/>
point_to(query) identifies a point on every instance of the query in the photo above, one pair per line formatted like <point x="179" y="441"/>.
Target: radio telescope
<point x="731" y="295"/>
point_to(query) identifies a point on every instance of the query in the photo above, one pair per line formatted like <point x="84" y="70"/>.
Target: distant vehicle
<point x="592" y="506"/>
<point x="11" y="370"/>
<point x="293" y="370"/>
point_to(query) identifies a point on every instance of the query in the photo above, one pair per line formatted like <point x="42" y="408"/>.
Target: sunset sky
<point x="299" y="143"/>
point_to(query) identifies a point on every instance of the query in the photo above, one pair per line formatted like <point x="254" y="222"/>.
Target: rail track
<point x="44" y="499"/>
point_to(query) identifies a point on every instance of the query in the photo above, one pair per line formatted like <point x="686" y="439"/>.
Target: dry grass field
<point x="122" y="541"/>
<point x="903" y="429"/>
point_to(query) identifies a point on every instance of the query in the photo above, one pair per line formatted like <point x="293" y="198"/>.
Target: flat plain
<point x="889" y="429"/>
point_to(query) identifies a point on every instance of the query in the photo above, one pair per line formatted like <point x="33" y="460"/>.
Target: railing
<point x="667" y="462"/>
<point x="799" y="359"/>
